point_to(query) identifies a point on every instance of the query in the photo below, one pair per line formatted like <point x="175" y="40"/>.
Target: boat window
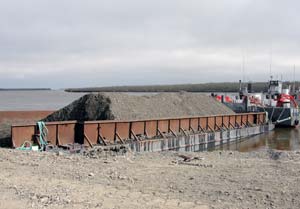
<point x="274" y="82"/>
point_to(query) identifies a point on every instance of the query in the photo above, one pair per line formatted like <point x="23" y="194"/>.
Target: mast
<point x="270" y="65"/>
<point x="294" y="85"/>
<point x="243" y="67"/>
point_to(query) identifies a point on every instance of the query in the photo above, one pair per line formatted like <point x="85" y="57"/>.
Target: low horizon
<point x="150" y="85"/>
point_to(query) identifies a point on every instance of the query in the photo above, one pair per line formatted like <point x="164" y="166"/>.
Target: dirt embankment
<point x="150" y="180"/>
<point x="119" y="106"/>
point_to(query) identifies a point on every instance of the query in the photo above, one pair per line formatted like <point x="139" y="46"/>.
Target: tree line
<point x="204" y="87"/>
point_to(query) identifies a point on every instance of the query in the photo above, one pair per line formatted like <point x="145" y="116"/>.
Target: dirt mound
<point x="120" y="106"/>
<point x="87" y="107"/>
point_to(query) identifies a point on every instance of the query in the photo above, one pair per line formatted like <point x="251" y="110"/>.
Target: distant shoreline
<point x="26" y="89"/>
<point x="203" y="87"/>
<point x="206" y="87"/>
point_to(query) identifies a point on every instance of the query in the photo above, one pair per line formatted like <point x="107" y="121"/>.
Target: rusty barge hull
<point x="7" y="118"/>
<point x="139" y="132"/>
<point x="196" y="142"/>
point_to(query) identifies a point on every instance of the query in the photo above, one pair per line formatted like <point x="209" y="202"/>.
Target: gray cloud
<point x="96" y="43"/>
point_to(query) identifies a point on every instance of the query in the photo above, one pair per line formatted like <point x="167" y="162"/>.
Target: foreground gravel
<point x="266" y="179"/>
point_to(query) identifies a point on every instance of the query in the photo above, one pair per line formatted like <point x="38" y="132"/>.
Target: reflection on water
<point x="280" y="139"/>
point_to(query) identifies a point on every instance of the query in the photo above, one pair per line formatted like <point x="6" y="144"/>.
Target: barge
<point x="186" y="133"/>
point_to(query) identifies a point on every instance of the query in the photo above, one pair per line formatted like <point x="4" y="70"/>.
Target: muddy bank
<point x="267" y="179"/>
<point x="118" y="106"/>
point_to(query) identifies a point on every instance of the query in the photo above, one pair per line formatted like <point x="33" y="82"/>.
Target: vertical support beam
<point x="255" y="119"/>
<point x="215" y="122"/>
<point x="98" y="132"/>
<point x="198" y="129"/>
<point x="228" y="125"/>
<point x="12" y="136"/>
<point x="206" y="123"/>
<point x="145" y="128"/>
<point x="235" y="123"/>
<point x="190" y="124"/>
<point x="130" y="129"/>
<point x="179" y="125"/>
<point x="56" y="134"/>
<point x="241" y="120"/>
<point x="222" y="121"/>
<point x="157" y="132"/>
<point x="115" y="132"/>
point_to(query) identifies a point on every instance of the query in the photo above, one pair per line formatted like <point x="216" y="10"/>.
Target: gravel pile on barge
<point x="120" y="106"/>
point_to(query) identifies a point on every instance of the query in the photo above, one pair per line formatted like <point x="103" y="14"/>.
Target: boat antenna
<point x="243" y="66"/>
<point x="294" y="85"/>
<point x="270" y="66"/>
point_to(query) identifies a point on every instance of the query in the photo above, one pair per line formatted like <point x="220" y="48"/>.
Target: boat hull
<point x="283" y="117"/>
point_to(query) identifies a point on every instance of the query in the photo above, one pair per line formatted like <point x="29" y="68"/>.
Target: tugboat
<point x="281" y="106"/>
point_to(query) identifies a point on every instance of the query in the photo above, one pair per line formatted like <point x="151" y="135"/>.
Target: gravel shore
<point x="220" y="179"/>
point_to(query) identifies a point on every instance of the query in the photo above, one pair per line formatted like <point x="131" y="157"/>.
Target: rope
<point x="43" y="135"/>
<point x="24" y="147"/>
<point x="278" y="119"/>
<point x="27" y="145"/>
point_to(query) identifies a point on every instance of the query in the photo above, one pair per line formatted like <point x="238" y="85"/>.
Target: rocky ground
<point x="226" y="179"/>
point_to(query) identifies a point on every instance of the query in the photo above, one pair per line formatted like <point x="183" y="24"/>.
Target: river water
<point x="281" y="139"/>
<point x="36" y="100"/>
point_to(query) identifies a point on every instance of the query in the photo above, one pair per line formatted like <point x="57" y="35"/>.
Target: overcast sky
<point x="67" y="43"/>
